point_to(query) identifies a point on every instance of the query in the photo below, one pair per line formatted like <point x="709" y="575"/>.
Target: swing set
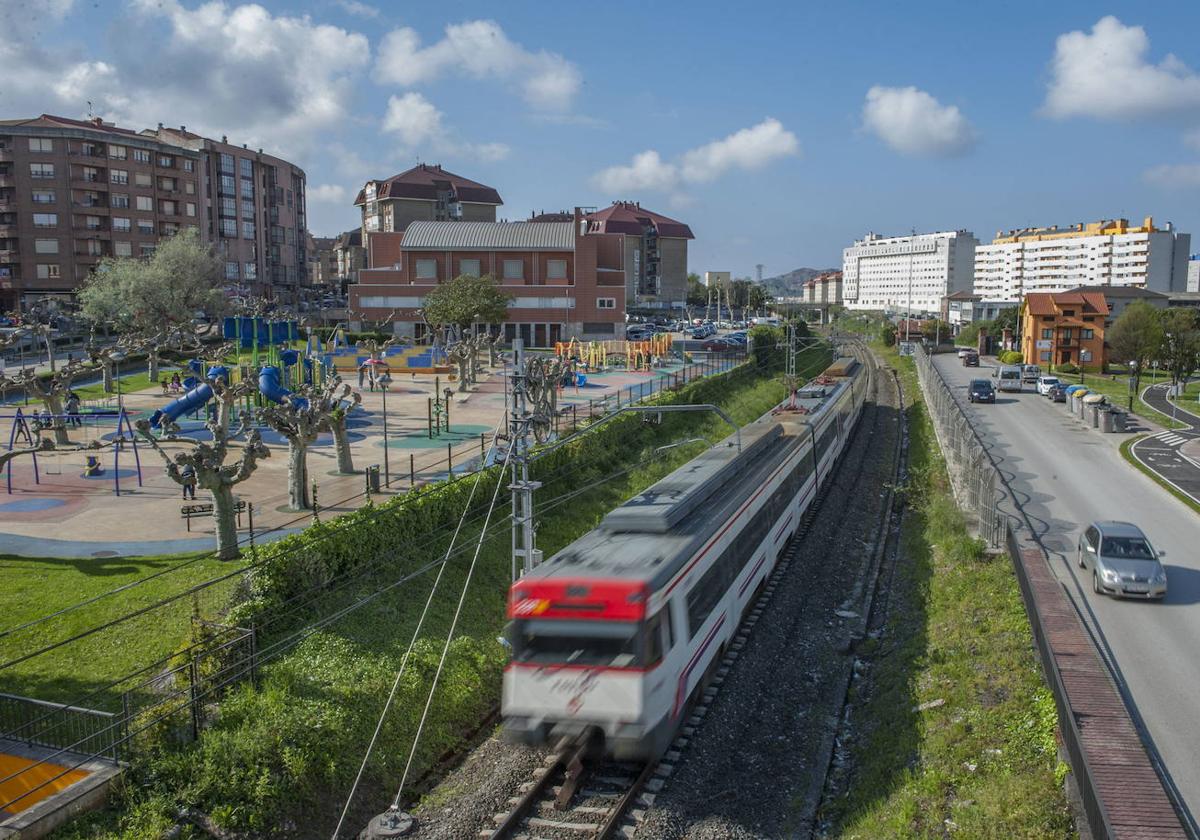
<point x="598" y="355"/>
<point x="21" y="430"/>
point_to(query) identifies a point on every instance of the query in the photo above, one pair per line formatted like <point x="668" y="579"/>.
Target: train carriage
<point x="618" y="631"/>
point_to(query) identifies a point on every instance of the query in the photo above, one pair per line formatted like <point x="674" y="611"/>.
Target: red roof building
<point x="655" y="254"/>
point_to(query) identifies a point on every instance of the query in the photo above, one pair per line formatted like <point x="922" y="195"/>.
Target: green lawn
<point x="1117" y="391"/>
<point x="35" y="587"/>
<point x="954" y="727"/>
<point x="130" y="382"/>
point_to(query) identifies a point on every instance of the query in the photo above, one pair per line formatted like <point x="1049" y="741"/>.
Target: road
<point x="1065" y="475"/>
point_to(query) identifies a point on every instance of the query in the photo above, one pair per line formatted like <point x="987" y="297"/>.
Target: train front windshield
<point x="596" y="643"/>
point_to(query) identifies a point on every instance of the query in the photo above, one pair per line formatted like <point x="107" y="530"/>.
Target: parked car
<point x="970" y="359"/>
<point x="717" y="345"/>
<point x="1030" y="373"/>
<point x="1058" y="393"/>
<point x="1122" y="561"/>
<point x="981" y="390"/>
<point x="962" y="351"/>
<point x="1045" y="383"/>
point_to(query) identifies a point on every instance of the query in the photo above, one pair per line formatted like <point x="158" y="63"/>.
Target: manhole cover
<point x="106" y="554"/>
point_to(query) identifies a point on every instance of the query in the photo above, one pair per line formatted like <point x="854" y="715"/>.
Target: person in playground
<point x="362" y="374"/>
<point x="175" y="383"/>
<point x="188" y="474"/>
<point x="166" y="386"/>
<point x="73" y="410"/>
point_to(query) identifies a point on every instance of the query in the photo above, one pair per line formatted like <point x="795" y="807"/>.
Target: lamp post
<point x="387" y="475"/>
<point x="1132" y="374"/>
<point x="118" y="357"/>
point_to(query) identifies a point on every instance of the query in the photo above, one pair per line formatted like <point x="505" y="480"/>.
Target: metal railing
<point x="976" y="482"/>
<point x="56" y="725"/>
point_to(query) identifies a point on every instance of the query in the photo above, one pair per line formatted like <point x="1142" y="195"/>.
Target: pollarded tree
<point x="207" y="460"/>
<point x="155" y="297"/>
<point x="1135" y="338"/>
<point x="337" y="400"/>
<point x="467" y="300"/>
<point x="51" y="392"/>
<point x="299" y="418"/>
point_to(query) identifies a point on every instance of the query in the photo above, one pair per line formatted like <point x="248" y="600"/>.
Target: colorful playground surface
<point x="123" y="503"/>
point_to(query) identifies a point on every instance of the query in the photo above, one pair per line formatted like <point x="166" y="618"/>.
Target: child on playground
<point x="73" y="410"/>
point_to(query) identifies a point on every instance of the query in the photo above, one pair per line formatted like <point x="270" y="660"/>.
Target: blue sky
<point x="778" y="131"/>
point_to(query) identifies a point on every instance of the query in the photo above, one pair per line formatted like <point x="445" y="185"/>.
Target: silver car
<point x="1122" y="561"/>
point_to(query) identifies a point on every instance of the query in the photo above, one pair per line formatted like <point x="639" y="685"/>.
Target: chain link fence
<point x="975" y="480"/>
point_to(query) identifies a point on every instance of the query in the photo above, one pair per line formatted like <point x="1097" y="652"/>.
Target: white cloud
<point x="328" y="194"/>
<point x="419" y="125"/>
<point x="1175" y="175"/>
<point x="481" y="50"/>
<point x="749" y="148"/>
<point x="914" y="123"/>
<point x="358" y="9"/>
<point x="1105" y="75"/>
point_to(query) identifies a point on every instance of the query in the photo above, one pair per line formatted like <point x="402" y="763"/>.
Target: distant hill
<point x="785" y="285"/>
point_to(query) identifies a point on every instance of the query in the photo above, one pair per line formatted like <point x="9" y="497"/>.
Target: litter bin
<point x="1119" y="419"/>
<point x="1106" y="418"/>
<point x="373" y="478"/>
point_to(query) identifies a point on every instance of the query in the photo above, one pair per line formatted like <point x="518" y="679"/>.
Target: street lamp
<point x="117" y="357"/>
<point x="1132" y="374"/>
<point x="384" y="382"/>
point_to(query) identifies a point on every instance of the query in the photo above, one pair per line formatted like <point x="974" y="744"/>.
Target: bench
<point x="200" y="511"/>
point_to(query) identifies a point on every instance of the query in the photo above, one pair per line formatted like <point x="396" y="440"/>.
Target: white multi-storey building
<point x="907" y="273"/>
<point x="1105" y="253"/>
<point x="1193" y="274"/>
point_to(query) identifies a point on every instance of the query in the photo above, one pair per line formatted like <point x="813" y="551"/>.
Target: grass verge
<point x="1117" y="392"/>
<point x="954" y="723"/>
<point x="1127" y="454"/>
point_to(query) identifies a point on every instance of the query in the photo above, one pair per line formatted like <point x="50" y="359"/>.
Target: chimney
<point x="182" y="128"/>
<point x="260" y="151"/>
<point x="224" y="138"/>
<point x="243" y="145"/>
<point x="160" y="126"/>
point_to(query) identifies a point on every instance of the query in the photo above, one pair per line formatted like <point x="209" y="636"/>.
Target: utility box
<point x="373" y="478"/>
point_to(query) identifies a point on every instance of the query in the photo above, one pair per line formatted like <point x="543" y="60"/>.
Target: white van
<point x="1008" y="378"/>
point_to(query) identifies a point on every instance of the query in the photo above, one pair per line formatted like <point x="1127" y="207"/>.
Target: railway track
<point x="575" y="796"/>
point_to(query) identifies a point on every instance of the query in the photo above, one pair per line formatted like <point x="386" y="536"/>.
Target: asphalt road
<point x="1065" y="475"/>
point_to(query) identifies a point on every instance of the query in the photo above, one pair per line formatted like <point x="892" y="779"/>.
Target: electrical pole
<point x="912" y="244"/>
<point x="522" y="488"/>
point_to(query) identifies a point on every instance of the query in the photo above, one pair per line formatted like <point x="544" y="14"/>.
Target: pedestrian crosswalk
<point x="1170" y="438"/>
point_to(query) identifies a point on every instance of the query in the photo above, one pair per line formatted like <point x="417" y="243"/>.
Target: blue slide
<point x="195" y="397"/>
<point x="270" y="387"/>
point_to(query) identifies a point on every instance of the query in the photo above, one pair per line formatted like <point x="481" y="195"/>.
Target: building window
<point x="45" y="220"/>
<point x="45" y="246"/>
<point x="146" y="227"/>
<point x="189" y="166"/>
<point x="247" y="230"/>
<point x="226" y="163"/>
<point x="247" y="208"/>
<point x="92" y="222"/>
<point x="1067" y="313"/>
<point x="144" y="202"/>
<point x="514" y="269"/>
<point x="190" y="209"/>
<point x="227" y="185"/>
<point x="426" y="269"/>
<point x="251" y="271"/>
<point x="228" y="206"/>
<point x="143" y="179"/>
<point x="1047" y="333"/>
<point x="121" y="225"/>
<point x="167" y="184"/>
<point x="248" y="190"/>
<point x="147" y="250"/>
<point x="141" y="155"/>
<point x="289" y="236"/>
<point x="166" y="161"/>
<point x="1044" y="356"/>
<point x="41" y="144"/>
<point x="231" y="271"/>
<point x="91" y="247"/>
<point x="47" y="271"/>
<point x="119" y="200"/>
<point x="556" y="269"/>
<point x="117" y="152"/>
<point x="189" y="187"/>
<point x="229" y="228"/>
<point x="606" y="303"/>
<point x="1086" y="334"/>
<point x="123" y="249"/>
<point x="168" y="208"/>
<point x="468" y="268"/>
<point x="41" y="170"/>
<point x="246" y="167"/>
<point x="43" y="197"/>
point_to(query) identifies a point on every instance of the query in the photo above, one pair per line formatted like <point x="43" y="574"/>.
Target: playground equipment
<point x="270" y="386"/>
<point x="21" y="429"/>
<point x="197" y="395"/>
<point x="632" y="355"/>
<point x="254" y="332"/>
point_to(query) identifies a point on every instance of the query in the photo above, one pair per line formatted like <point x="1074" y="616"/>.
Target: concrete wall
<point x="674" y="269"/>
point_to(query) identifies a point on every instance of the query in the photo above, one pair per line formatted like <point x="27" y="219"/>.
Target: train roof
<point x="652" y="535"/>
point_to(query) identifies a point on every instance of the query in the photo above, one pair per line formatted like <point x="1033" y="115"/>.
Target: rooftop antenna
<point x="89" y="102"/>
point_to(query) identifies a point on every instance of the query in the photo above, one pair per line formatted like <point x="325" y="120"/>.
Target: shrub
<point x="1067" y="367"/>
<point x="1011" y="357"/>
<point x="887" y="334"/>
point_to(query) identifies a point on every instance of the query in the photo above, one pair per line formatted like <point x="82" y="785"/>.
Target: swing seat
<point x="92" y="467"/>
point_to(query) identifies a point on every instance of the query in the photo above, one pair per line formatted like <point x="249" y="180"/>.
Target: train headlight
<point x="527" y="607"/>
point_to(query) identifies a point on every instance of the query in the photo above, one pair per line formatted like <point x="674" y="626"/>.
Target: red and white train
<point x="618" y="631"/>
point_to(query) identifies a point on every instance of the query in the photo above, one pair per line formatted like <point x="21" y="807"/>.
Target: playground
<point x="107" y="493"/>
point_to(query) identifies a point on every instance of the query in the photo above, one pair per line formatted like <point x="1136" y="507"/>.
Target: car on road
<point x="1122" y="560"/>
<point x="1045" y="383"/>
<point x="719" y="345"/>
<point x="1058" y="393"/>
<point x="970" y="359"/>
<point x="1008" y="378"/>
<point x="962" y="351"/>
<point x="1030" y="373"/>
<point x="981" y="390"/>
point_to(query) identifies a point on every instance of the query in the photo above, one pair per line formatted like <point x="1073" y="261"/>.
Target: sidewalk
<point x="1174" y="456"/>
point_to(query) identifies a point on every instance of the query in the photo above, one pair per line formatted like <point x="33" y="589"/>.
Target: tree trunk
<point x="50" y="352"/>
<point x="152" y="365"/>
<point x="341" y="444"/>
<point x="298" y="474"/>
<point x="106" y="371"/>
<point x="54" y="405"/>
<point x="224" y="410"/>
<point x="226" y="519"/>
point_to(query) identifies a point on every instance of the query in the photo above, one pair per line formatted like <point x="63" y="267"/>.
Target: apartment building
<point x="1060" y="328"/>
<point x="566" y="279"/>
<point x="322" y="261"/>
<point x="1104" y="253"/>
<point x="73" y="192"/>
<point x="962" y="308"/>
<point x="824" y="289"/>
<point x="907" y="273"/>
<point x="254" y="214"/>
<point x="351" y="257"/>
<point x="1193" y="273"/>
<point x="655" y="254"/>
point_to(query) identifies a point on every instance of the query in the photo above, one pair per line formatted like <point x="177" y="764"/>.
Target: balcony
<point x="92" y="231"/>
<point x="100" y="208"/>
<point x="10" y="254"/>
<point x="81" y="183"/>
<point x="7" y="181"/>
<point x="6" y="154"/>
<point x="9" y="228"/>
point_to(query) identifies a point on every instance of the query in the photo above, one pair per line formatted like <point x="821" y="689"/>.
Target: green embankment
<point x="954" y="725"/>
<point x="287" y="748"/>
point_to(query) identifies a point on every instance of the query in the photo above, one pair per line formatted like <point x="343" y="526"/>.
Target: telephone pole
<point x="523" y="552"/>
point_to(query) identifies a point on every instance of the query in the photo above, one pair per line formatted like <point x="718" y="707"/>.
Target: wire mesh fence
<point x="974" y="478"/>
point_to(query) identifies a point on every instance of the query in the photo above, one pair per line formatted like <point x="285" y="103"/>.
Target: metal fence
<point x="975" y="480"/>
<point x="59" y="726"/>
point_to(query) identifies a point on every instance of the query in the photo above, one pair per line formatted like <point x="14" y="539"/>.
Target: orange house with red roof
<point x="1060" y="328"/>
